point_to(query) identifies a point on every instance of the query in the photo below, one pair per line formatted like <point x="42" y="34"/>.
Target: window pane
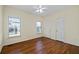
<point x="38" y="24"/>
<point x="38" y="27"/>
<point x="14" y="26"/>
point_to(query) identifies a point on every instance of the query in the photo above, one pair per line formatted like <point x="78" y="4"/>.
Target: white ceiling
<point x="50" y="9"/>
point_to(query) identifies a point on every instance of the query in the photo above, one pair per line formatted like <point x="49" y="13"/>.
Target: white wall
<point x="28" y="28"/>
<point x="1" y="33"/>
<point x="71" y="18"/>
<point x="49" y="27"/>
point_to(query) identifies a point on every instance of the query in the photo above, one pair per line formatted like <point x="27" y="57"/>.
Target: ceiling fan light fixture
<point x="40" y="9"/>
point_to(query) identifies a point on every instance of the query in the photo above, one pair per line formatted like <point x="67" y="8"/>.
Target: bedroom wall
<point x="28" y="27"/>
<point x="1" y="21"/>
<point x="71" y="18"/>
<point x="28" y="30"/>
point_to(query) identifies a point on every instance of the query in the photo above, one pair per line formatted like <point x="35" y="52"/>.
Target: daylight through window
<point x="38" y="27"/>
<point x="14" y="26"/>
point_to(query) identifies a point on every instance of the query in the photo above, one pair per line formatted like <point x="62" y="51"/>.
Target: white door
<point x="60" y="29"/>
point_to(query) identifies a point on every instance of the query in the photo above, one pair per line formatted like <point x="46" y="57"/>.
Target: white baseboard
<point x="21" y="40"/>
<point x="68" y="42"/>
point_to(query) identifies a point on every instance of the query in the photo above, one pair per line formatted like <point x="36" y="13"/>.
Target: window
<point x="14" y="26"/>
<point x="38" y="27"/>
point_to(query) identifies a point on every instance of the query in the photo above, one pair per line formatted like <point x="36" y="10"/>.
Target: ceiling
<point x="50" y="9"/>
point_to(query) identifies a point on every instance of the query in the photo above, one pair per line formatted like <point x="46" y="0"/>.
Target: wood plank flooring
<point x="40" y="45"/>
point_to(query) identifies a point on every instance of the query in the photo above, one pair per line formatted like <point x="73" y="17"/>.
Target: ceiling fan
<point x="40" y="9"/>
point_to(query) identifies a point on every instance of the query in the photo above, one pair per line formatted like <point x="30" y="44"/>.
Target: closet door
<point x="60" y="29"/>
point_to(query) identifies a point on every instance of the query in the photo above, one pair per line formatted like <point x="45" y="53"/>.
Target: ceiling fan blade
<point x="37" y="10"/>
<point x="43" y="8"/>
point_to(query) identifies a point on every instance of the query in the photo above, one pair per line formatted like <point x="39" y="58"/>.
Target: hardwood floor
<point x="41" y="45"/>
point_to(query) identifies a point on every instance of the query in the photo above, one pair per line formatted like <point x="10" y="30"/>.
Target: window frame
<point x="20" y="26"/>
<point x="40" y="27"/>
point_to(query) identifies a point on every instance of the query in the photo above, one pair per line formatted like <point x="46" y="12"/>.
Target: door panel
<point x="60" y="29"/>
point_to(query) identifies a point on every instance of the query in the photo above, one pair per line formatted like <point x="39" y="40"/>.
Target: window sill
<point x="14" y="35"/>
